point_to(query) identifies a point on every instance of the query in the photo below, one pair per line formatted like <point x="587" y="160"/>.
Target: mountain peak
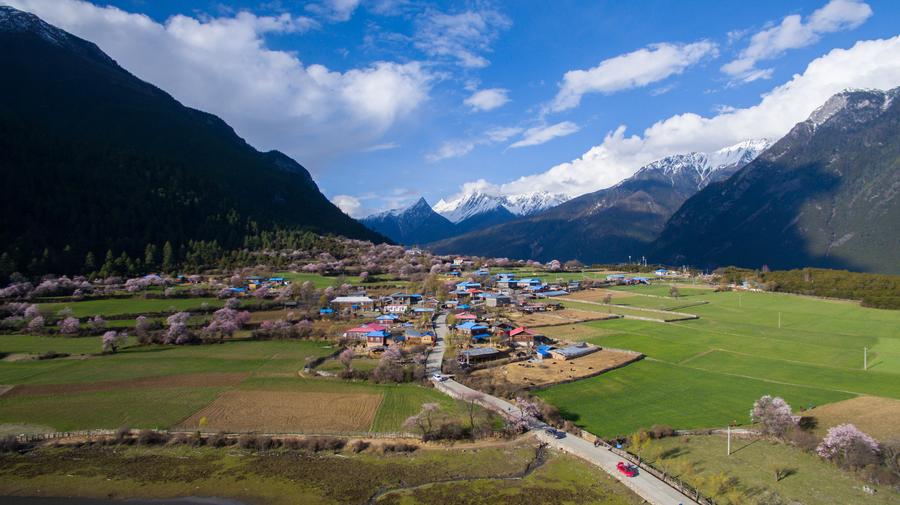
<point x="16" y="21"/>
<point x="472" y="204"/>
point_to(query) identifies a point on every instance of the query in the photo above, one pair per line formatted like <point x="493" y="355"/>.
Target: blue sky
<point x="379" y="99"/>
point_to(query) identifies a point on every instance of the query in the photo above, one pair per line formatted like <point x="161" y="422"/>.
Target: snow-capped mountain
<point x="416" y="224"/>
<point x="612" y="223"/>
<point x="703" y="168"/>
<point x="469" y="205"/>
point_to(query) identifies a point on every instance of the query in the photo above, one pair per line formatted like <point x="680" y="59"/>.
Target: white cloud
<point x="792" y="33"/>
<point x="631" y="70"/>
<point x="868" y="64"/>
<point x="487" y="99"/>
<point x="385" y="146"/>
<point x="542" y="134"/>
<point x="349" y="204"/>
<point x="222" y="65"/>
<point x="452" y="149"/>
<point x="460" y="147"/>
<point x="459" y="37"/>
<point x="334" y="10"/>
<point x="502" y="133"/>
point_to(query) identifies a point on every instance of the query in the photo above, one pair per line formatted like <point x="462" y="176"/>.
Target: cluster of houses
<point x="627" y="280"/>
<point x="256" y="282"/>
<point x="386" y="330"/>
<point x="509" y="290"/>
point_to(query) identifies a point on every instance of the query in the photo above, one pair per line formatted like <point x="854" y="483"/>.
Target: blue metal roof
<point x="380" y="334"/>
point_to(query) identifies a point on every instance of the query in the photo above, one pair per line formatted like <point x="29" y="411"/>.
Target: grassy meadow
<point x="497" y="474"/>
<point x="699" y="459"/>
<point x="707" y="372"/>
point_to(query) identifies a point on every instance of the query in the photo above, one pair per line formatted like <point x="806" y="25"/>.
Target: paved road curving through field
<point x="645" y="485"/>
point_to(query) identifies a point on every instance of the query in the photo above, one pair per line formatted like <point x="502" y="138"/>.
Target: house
<point x="523" y="337"/>
<point x="387" y="319"/>
<point x="278" y="281"/>
<point x="472" y="328"/>
<point x="325" y="312"/>
<point x="377" y="338"/>
<point x="482" y="272"/>
<point x="496" y="300"/>
<point x="360" y="332"/>
<point x="405" y="299"/>
<point x="464" y="287"/>
<point x="414" y="337"/>
<point x="573" y="351"/>
<point x="396" y="308"/>
<point x="617" y="278"/>
<point x="543" y="351"/>
<point x="466" y="316"/>
<point x="533" y="282"/>
<point x="458" y="261"/>
<point x="557" y="292"/>
<point x="353" y="303"/>
<point x="422" y="311"/>
<point x="454" y="273"/>
<point x="661" y="272"/>
<point x="573" y="286"/>
<point x="477" y="355"/>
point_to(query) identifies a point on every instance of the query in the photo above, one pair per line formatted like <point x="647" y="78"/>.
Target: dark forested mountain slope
<point x="610" y="224"/>
<point x="416" y="224"/>
<point x="94" y="159"/>
<point x="826" y="195"/>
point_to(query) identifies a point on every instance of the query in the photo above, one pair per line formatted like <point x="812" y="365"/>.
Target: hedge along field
<point x="732" y="355"/>
<point x="117" y="306"/>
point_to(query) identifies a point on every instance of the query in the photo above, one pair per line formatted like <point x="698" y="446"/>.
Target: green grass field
<point x="707" y="372"/>
<point x="117" y="306"/>
<point x="323" y="281"/>
<point x="750" y="465"/>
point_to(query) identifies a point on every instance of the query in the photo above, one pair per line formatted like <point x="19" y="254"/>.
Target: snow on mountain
<point x="473" y="204"/>
<point x="703" y="168"/>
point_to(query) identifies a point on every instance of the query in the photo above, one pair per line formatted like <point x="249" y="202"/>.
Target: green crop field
<point x="707" y="372"/>
<point x="76" y="393"/>
<point x="117" y="306"/>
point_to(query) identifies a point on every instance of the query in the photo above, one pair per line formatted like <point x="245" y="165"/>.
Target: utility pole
<point x="728" y="453"/>
<point x="779" y="319"/>
<point x="741" y="300"/>
<point x="865" y="358"/>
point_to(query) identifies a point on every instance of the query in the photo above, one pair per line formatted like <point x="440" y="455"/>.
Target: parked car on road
<point x="626" y="469"/>
<point x="439" y="377"/>
<point x="553" y="432"/>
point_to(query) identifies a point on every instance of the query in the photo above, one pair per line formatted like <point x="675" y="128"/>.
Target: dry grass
<point x="556" y="317"/>
<point x="287" y="412"/>
<point x="877" y="416"/>
<point x="597" y="295"/>
<point x="551" y="371"/>
<point x="194" y="380"/>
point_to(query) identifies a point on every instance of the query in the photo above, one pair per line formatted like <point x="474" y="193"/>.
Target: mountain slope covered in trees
<point x="96" y="161"/>
<point x="825" y="195"/>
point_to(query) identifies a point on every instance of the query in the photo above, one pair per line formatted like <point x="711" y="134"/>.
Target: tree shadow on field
<point x="569" y="415"/>
<point x="674" y="452"/>
<point x="748" y="444"/>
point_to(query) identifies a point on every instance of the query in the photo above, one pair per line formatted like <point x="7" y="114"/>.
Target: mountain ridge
<point x="138" y="168"/>
<point x="610" y="224"/>
<point x="825" y="195"/>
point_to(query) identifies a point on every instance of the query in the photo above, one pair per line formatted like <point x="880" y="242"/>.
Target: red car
<point x="625" y="469"/>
